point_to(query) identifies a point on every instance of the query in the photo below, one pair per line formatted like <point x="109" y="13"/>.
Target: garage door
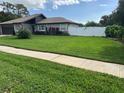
<point x="7" y="29"/>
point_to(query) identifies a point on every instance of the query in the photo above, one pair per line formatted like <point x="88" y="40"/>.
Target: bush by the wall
<point x="120" y="34"/>
<point x="115" y="31"/>
<point x="24" y="34"/>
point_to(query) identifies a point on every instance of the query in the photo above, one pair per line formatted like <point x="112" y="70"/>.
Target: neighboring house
<point x="55" y="25"/>
<point x="13" y="26"/>
<point x="38" y="23"/>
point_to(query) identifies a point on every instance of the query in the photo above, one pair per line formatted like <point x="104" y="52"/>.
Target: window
<point x="41" y="28"/>
<point x="63" y="27"/>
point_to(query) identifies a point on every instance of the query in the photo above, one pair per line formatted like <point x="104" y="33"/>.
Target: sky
<point x="80" y="11"/>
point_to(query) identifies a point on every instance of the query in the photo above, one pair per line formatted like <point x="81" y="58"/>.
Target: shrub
<point x="115" y="31"/>
<point x="120" y="34"/>
<point x="24" y="34"/>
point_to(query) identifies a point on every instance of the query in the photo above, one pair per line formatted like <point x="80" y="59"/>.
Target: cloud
<point x="1" y="8"/>
<point x="41" y="4"/>
<point x="29" y="3"/>
<point x="88" y="0"/>
<point x="103" y="5"/>
<point x="57" y="3"/>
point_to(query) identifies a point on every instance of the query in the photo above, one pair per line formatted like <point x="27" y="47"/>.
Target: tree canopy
<point x="91" y="23"/>
<point x="7" y="16"/>
<point x="117" y="16"/>
<point x="12" y="11"/>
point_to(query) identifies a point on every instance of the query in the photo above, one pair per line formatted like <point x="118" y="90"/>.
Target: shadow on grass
<point x="113" y="54"/>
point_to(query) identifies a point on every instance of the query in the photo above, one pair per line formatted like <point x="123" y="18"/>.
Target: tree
<point x="7" y="16"/>
<point x="117" y="16"/>
<point x="104" y="20"/>
<point x="120" y="13"/>
<point x="21" y="10"/>
<point x="7" y="7"/>
<point x="91" y="23"/>
<point x="18" y="9"/>
<point x="11" y="11"/>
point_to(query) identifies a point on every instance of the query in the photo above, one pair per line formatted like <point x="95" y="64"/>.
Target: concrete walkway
<point x="4" y="35"/>
<point x="109" y="68"/>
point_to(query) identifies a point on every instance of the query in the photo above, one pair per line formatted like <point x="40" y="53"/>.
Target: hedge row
<point x="115" y="31"/>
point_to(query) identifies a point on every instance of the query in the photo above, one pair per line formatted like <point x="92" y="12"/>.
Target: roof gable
<point x="56" y="20"/>
<point x="23" y="19"/>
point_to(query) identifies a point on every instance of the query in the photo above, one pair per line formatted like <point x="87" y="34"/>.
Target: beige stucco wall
<point x="17" y="27"/>
<point x="28" y="27"/>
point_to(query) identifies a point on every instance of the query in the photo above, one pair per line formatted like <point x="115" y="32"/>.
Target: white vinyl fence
<point x="87" y="31"/>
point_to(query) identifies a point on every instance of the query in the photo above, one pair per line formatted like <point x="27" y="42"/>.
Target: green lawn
<point x="27" y="75"/>
<point x="88" y="47"/>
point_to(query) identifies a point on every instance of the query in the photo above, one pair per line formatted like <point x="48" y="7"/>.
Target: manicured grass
<point x="89" y="47"/>
<point x="27" y="75"/>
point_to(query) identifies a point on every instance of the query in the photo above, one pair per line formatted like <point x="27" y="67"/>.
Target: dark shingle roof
<point x="56" y="20"/>
<point x="21" y="20"/>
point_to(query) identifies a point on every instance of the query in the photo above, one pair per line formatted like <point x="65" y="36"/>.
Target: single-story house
<point x="13" y="26"/>
<point x="38" y="23"/>
<point x="55" y="24"/>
